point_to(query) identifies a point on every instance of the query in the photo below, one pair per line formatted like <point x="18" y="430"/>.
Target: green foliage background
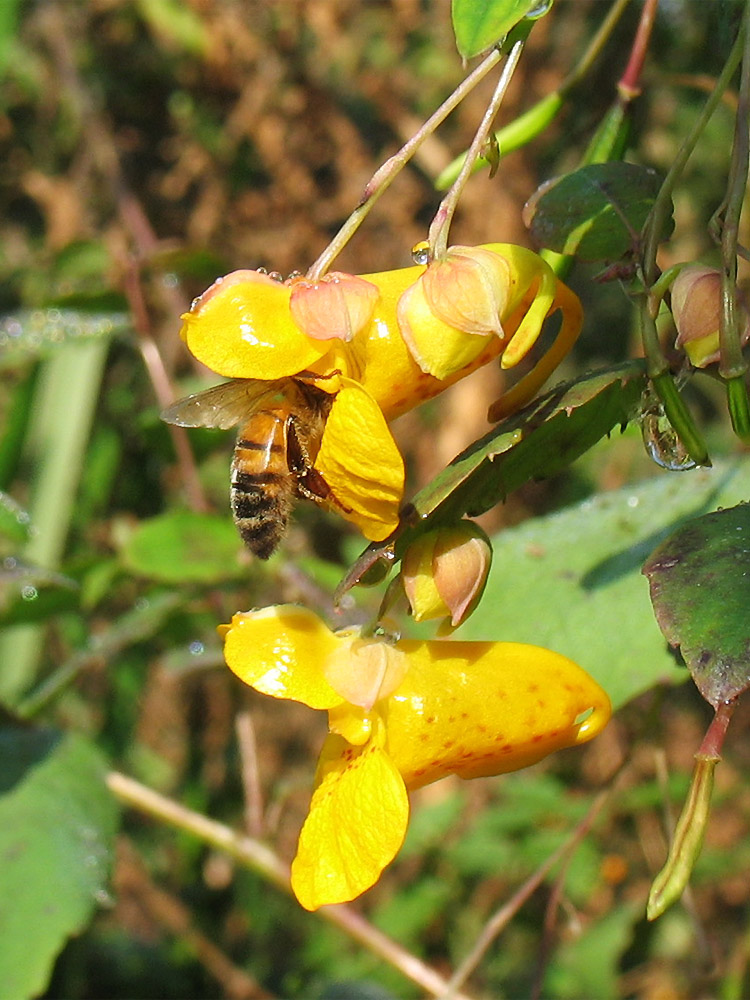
<point x="170" y="142"/>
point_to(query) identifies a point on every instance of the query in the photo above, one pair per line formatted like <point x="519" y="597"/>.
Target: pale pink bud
<point x="444" y="572"/>
<point x="468" y="289"/>
<point x="336" y="307"/>
<point x="696" y="308"/>
<point x="363" y="671"/>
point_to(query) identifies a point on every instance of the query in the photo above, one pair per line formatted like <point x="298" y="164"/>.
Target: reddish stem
<point x="629" y="85"/>
<point x="713" y="741"/>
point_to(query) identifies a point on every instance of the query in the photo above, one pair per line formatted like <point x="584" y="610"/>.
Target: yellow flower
<point x="381" y="344"/>
<point x="400" y="716"/>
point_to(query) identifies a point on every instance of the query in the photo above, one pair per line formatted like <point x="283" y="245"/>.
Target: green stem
<point x="653" y="228"/>
<point x="532" y="123"/>
<point x="733" y="366"/>
<point x="63" y="413"/>
<point x="386" y="174"/>
<point x="672" y="880"/>
<point x="658" y="371"/>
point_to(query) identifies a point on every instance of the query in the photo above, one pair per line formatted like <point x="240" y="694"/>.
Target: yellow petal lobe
<point x="361" y="464"/>
<point x="481" y="708"/>
<point x="355" y="827"/>
<point x="439" y="350"/>
<point x="280" y="651"/>
<point x="242" y="327"/>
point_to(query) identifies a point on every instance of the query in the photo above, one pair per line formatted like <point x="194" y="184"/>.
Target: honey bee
<point x="280" y="425"/>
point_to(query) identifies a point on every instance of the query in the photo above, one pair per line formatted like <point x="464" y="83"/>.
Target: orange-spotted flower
<point x="378" y="345"/>
<point x="402" y="715"/>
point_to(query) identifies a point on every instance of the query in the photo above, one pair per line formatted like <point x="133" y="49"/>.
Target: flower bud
<point x="336" y="307"/>
<point x="444" y="572"/>
<point x="696" y="307"/>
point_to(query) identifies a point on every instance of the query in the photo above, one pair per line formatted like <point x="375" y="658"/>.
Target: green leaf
<point x="572" y="581"/>
<point x="478" y="24"/>
<point x="182" y="546"/>
<point x="700" y="589"/>
<point x="57" y="825"/>
<point x="538" y="441"/>
<point x="595" y="212"/>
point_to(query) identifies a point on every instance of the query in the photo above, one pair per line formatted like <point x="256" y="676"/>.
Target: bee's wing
<point x="223" y="406"/>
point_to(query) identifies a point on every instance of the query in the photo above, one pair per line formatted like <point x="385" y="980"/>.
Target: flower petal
<point x="356" y="825"/>
<point x="440" y="350"/>
<point x="365" y="670"/>
<point x="481" y="708"/>
<point x="361" y="464"/>
<point x="468" y="289"/>
<point x="280" y="651"/>
<point x="336" y="307"/>
<point x="242" y="327"/>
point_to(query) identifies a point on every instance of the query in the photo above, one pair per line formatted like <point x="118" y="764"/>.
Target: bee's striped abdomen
<point x="262" y="484"/>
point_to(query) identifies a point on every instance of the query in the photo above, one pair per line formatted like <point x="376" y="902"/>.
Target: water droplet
<point x="29" y="593"/>
<point x="420" y="253"/>
<point x="633" y="501"/>
<point x="541" y="8"/>
<point x="276" y="276"/>
<point x="170" y="280"/>
<point x="659" y="437"/>
<point x="196" y="647"/>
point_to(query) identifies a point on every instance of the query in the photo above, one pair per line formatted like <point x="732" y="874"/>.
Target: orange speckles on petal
<point x="494" y="722"/>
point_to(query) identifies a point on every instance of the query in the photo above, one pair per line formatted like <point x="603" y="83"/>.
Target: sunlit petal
<point x="356" y="825"/>
<point x="481" y="708"/>
<point x="361" y="464"/>
<point x="241" y="327"/>
<point x="279" y="651"/>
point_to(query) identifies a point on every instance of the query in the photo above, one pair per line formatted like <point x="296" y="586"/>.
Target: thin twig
<point x="502" y="917"/>
<point x="261" y="859"/>
<point x="162" y="386"/>
<point x="384" y="175"/>
<point x="654" y="226"/>
<point x="248" y="748"/>
<point x="438" y="235"/>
